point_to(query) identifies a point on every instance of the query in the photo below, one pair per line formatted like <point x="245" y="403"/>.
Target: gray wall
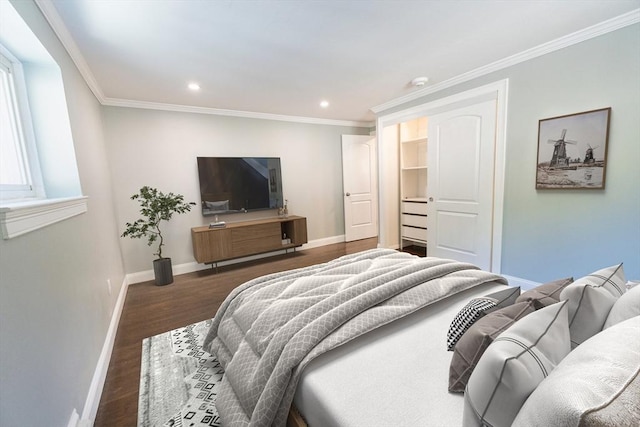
<point x="55" y="308"/>
<point x="549" y="234"/>
<point x="159" y="148"/>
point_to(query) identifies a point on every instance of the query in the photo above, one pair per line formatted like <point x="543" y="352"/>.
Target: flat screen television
<point x="239" y="184"/>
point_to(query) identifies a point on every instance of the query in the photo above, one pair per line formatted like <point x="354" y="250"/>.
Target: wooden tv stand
<point x="239" y="239"/>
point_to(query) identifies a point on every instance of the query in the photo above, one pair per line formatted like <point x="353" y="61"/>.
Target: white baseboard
<point x="73" y="420"/>
<point x="190" y="267"/>
<point x="100" y="374"/>
<point x="323" y="242"/>
<point x="524" y="284"/>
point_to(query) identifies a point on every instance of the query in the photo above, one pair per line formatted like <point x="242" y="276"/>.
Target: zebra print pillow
<point x="475" y="309"/>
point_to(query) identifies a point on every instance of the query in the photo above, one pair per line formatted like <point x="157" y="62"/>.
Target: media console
<point x="239" y="239"/>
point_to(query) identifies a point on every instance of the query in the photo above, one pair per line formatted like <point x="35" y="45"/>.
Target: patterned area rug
<point x="178" y="380"/>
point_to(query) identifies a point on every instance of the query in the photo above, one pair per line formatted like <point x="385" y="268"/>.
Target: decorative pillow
<point x="626" y="307"/>
<point x="222" y="205"/>
<point x="590" y="300"/>
<point x="475" y="341"/>
<point x="546" y="294"/>
<point x="513" y="366"/>
<point x="475" y="309"/>
<point x="603" y="377"/>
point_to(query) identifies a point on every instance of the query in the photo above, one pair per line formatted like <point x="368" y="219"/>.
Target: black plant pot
<point x="162" y="271"/>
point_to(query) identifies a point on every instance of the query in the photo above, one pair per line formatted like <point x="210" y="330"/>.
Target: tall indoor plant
<point x="156" y="207"/>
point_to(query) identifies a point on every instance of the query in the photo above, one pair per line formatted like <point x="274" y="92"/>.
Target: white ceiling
<point x="284" y="57"/>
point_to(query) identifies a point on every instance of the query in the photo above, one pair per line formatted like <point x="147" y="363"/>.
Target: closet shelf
<point x="414" y="140"/>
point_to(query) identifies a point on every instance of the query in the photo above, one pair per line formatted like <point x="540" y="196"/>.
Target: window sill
<point x="19" y="218"/>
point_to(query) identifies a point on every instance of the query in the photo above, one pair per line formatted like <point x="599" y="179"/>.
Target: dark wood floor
<point x="150" y="310"/>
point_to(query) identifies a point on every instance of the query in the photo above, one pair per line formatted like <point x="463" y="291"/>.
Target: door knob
<point x="431" y="199"/>
<point x="348" y="194"/>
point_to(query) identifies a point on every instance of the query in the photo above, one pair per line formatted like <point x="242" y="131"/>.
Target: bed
<point x="395" y="375"/>
<point x="362" y="341"/>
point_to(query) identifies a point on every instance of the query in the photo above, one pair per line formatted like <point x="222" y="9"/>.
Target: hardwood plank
<point x="150" y="310"/>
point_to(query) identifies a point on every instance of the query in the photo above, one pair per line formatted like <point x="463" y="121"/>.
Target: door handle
<point x="348" y="194"/>
<point x="431" y="199"/>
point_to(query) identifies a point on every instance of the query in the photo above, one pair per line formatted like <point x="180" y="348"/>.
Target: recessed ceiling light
<point x="194" y="86"/>
<point x="324" y="104"/>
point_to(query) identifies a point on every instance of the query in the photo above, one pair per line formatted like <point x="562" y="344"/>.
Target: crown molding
<point x="115" y="102"/>
<point x="51" y="15"/>
<point x="602" y="28"/>
<point x="53" y="18"/>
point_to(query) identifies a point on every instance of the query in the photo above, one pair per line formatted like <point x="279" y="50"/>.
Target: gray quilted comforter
<point x="269" y="328"/>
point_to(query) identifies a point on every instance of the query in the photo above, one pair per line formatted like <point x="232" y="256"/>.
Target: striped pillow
<point x="590" y="300"/>
<point x="603" y="378"/>
<point x="514" y="364"/>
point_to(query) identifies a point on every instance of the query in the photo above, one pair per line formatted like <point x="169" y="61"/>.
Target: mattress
<point x="396" y="375"/>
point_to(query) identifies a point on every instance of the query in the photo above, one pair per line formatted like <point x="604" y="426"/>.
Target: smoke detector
<point x="419" y="81"/>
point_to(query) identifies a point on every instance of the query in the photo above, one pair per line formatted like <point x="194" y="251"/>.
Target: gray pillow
<point x="475" y="309"/>
<point x="590" y="300"/>
<point x="603" y="377"/>
<point x="513" y="366"/>
<point x="222" y="205"/>
<point x="546" y="294"/>
<point x="626" y="307"/>
<point x="475" y="341"/>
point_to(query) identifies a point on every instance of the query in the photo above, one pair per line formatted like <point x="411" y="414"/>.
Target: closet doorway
<point x="465" y="176"/>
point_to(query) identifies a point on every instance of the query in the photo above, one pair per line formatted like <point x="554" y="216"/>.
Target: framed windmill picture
<point x="572" y="150"/>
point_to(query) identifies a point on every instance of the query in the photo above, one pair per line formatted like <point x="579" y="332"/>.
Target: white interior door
<point x="359" y="186"/>
<point x="460" y="183"/>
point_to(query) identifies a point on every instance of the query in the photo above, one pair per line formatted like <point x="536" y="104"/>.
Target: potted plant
<point x="156" y="207"/>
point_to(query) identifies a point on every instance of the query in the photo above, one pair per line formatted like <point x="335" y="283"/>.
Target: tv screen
<point x="239" y="184"/>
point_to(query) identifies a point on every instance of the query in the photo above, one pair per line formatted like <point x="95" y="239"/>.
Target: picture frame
<point x="572" y="150"/>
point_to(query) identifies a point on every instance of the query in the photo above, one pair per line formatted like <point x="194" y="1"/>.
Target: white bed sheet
<point x="394" y="376"/>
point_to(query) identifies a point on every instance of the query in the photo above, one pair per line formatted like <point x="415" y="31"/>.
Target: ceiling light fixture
<point x="324" y="104"/>
<point x="194" y="86"/>
<point x="419" y="81"/>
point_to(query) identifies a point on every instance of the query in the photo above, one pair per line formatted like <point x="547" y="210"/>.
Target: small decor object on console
<point x="285" y="239"/>
<point x="217" y="223"/>
<point x="155" y="208"/>
<point x="285" y="210"/>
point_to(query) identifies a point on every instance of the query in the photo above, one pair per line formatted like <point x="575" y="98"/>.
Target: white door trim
<point x="498" y="91"/>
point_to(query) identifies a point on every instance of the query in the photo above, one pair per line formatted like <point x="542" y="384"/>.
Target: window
<point x="39" y="181"/>
<point x="15" y="171"/>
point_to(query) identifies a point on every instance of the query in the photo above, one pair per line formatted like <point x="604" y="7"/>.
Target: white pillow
<point x="590" y="300"/>
<point x="513" y="366"/>
<point x="626" y="307"/>
<point x="598" y="383"/>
